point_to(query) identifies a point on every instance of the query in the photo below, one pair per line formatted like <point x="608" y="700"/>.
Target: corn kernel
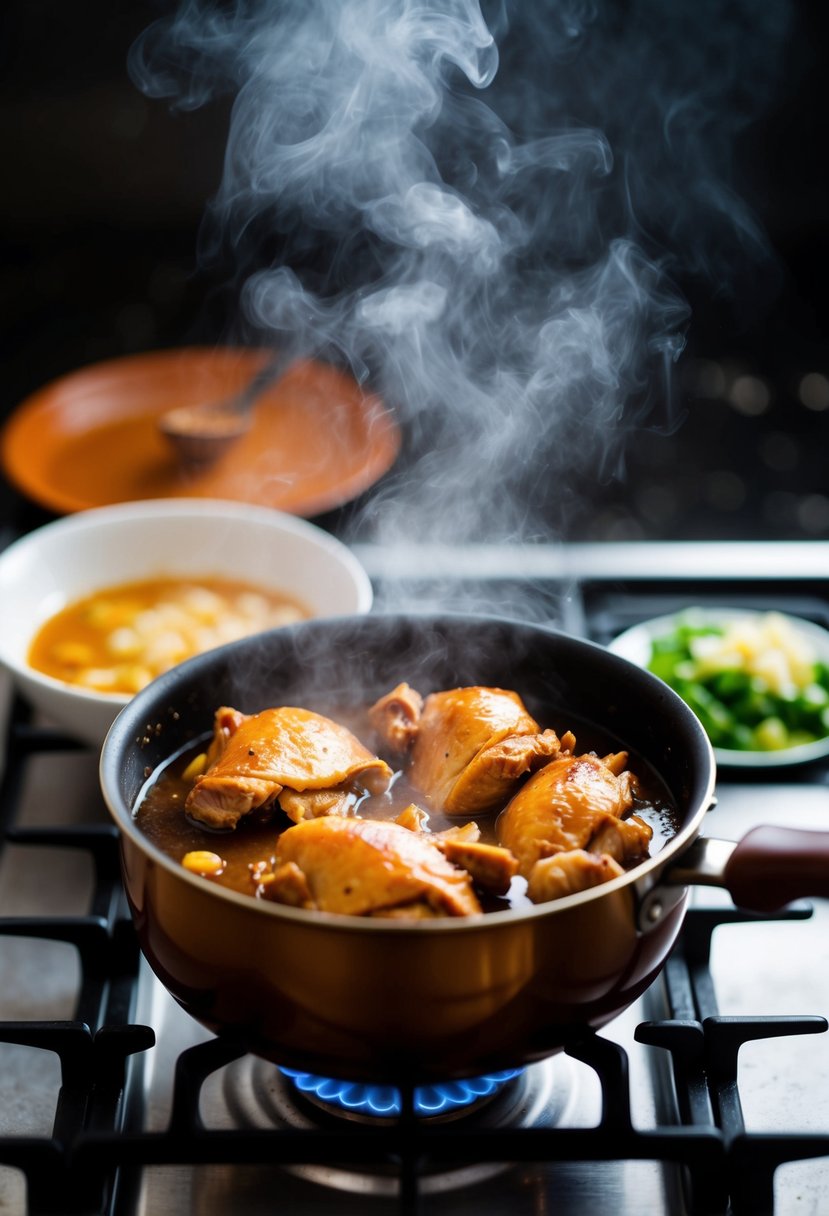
<point x="200" y="861"/>
<point x="196" y="767"/>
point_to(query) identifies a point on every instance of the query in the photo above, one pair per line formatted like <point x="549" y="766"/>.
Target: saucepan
<point x="373" y="999"/>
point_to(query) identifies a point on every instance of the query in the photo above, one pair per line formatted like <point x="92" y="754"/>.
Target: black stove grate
<point x="85" y="1165"/>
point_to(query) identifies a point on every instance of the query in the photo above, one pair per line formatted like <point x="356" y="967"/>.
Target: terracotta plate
<point x="91" y="438"/>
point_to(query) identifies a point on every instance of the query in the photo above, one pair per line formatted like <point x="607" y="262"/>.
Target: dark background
<point x="104" y="192"/>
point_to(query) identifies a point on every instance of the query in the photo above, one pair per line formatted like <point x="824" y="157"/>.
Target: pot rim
<point x="641" y="875"/>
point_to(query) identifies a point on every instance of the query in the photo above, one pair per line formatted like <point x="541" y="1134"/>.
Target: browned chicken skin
<point x="575" y="803"/>
<point x="308" y="763"/>
<point x="468" y="747"/>
<point x="366" y="867"/>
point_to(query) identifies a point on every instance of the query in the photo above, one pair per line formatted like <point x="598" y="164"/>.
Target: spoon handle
<point x="270" y="371"/>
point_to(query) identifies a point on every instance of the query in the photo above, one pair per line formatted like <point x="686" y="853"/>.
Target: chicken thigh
<point x="308" y="764"/>
<point x="366" y="867"/>
<point x="467" y="747"/>
<point x="575" y="803"/>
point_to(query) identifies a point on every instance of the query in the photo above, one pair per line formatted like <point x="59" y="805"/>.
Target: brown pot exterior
<point x="431" y="1004"/>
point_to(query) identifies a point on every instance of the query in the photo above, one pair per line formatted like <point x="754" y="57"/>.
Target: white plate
<point x="635" y="644"/>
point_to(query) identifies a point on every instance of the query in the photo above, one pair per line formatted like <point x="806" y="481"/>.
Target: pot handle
<point x="768" y="868"/>
<point x="771" y="866"/>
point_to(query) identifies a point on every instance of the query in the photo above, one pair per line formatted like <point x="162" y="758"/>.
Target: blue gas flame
<point x="385" y="1101"/>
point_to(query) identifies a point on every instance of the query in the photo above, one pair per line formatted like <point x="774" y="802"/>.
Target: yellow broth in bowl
<point x="120" y="638"/>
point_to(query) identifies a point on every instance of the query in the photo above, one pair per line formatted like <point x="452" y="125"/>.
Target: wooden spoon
<point x="201" y="434"/>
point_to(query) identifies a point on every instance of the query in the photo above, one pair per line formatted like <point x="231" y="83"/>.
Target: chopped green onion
<point x="753" y="684"/>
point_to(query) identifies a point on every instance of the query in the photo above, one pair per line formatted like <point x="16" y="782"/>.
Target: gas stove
<point x="710" y="1095"/>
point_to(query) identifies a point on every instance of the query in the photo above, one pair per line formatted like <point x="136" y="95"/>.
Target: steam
<point x="485" y="217"/>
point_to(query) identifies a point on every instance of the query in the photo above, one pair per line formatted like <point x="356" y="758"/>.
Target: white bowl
<point x="64" y="561"/>
<point x="635" y="644"/>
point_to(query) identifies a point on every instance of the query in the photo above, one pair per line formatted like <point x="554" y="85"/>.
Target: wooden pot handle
<point x="771" y="866"/>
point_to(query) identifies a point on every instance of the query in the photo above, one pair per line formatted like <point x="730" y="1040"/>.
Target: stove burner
<point x="384" y="1101"/>
<point x="254" y="1093"/>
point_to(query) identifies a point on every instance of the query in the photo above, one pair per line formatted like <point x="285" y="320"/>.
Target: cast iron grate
<point x="93" y="1149"/>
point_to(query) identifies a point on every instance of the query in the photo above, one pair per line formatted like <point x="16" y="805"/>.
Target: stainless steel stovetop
<point x="84" y="1088"/>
